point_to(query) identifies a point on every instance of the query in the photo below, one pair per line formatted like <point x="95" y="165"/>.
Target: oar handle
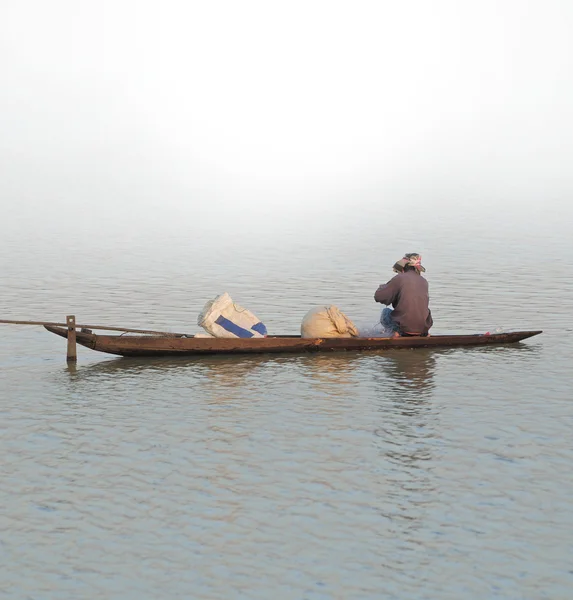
<point x="104" y="327"/>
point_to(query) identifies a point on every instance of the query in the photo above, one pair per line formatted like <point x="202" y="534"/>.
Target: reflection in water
<point x="127" y="367"/>
<point x="72" y="368"/>
<point x="329" y="372"/>
<point x="332" y="373"/>
<point x="407" y="375"/>
<point x="411" y="370"/>
<point x="405" y="381"/>
<point x="410" y="431"/>
<point x="215" y="372"/>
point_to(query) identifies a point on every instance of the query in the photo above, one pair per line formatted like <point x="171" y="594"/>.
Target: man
<point x="407" y="292"/>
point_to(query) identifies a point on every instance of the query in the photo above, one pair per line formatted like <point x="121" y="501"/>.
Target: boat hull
<point x="150" y="345"/>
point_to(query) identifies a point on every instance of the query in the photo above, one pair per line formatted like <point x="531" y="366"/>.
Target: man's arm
<point x="386" y="293"/>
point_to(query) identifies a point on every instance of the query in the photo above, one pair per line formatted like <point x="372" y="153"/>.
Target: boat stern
<point x="83" y="338"/>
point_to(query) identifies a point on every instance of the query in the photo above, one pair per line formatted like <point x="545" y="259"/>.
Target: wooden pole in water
<point x="72" y="350"/>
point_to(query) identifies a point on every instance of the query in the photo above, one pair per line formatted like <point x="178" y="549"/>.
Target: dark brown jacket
<point x="408" y="294"/>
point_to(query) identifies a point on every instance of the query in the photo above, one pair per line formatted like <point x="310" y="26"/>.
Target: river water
<point x="405" y="474"/>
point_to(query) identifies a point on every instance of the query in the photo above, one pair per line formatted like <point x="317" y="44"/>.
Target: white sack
<point x="222" y="318"/>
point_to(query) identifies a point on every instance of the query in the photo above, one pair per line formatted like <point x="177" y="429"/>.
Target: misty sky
<point x="197" y="104"/>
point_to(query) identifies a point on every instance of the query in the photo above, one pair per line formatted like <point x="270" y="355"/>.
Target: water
<point x="405" y="474"/>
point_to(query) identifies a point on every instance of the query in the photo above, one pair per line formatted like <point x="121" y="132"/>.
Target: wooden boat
<point x="161" y="345"/>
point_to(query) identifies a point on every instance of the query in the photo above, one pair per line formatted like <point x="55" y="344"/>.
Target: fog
<point x="159" y="113"/>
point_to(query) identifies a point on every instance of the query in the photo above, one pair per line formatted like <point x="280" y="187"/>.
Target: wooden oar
<point x="104" y="327"/>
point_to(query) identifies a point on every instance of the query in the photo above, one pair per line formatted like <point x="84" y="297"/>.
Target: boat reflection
<point x="410" y="371"/>
<point x="409" y="433"/>
<point x="333" y="374"/>
<point x="404" y="434"/>
<point x="226" y="371"/>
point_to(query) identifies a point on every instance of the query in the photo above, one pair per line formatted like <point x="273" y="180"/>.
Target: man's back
<point x="408" y="294"/>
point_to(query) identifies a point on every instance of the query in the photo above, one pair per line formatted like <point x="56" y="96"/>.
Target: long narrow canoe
<point x="156" y="345"/>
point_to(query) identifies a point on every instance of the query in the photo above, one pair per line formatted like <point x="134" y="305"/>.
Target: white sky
<point x="191" y="103"/>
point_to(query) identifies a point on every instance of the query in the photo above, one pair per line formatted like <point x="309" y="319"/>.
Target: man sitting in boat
<point x="407" y="293"/>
